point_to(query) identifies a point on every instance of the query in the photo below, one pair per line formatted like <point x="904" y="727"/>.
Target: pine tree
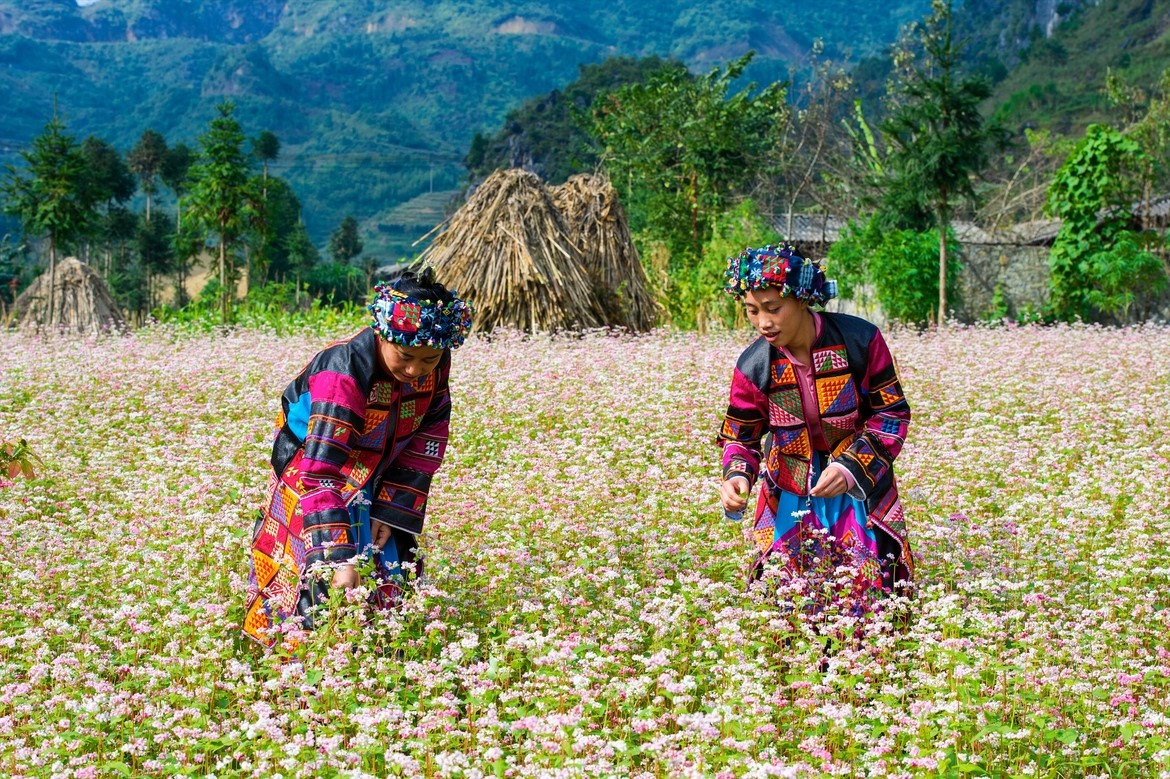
<point x="345" y="243"/>
<point x="173" y="173"/>
<point x="50" y="198"/>
<point x="146" y="159"/>
<point x="220" y="197"/>
<point x="938" y="139"/>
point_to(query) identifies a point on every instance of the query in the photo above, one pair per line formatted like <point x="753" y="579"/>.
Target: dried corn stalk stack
<point x="598" y="223"/>
<point x="509" y="251"/>
<point x="81" y="301"/>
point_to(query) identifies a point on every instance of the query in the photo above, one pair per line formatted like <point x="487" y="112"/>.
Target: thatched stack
<point x="81" y="300"/>
<point x="509" y="251"/>
<point x="598" y="223"/>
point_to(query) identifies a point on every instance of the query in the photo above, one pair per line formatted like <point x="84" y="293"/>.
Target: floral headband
<point x="408" y="321"/>
<point x="780" y="267"/>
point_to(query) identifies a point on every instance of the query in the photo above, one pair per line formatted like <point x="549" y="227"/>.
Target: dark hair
<point x="422" y="285"/>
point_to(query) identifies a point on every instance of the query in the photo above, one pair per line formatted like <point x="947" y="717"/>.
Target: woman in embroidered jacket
<point x="362" y="430"/>
<point x="824" y="385"/>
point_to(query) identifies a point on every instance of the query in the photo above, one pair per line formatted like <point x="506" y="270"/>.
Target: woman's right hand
<point x="345" y="576"/>
<point x="733" y="493"/>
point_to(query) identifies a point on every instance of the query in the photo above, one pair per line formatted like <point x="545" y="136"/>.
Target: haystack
<point x="81" y="300"/>
<point x="598" y="224"/>
<point x="509" y="251"/>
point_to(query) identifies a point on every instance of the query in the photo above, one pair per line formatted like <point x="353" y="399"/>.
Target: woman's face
<point x="408" y="364"/>
<point x="779" y="319"/>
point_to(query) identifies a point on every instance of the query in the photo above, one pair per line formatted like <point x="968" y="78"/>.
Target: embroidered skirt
<point x="279" y="590"/>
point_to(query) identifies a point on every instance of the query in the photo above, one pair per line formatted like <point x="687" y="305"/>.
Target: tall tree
<point x="282" y="213"/>
<point x="155" y="252"/>
<point x="108" y="183"/>
<point x="173" y="173"/>
<point x="50" y="197"/>
<point x="146" y="160"/>
<point x="345" y="243"/>
<point x="220" y="197"/>
<point x="302" y="254"/>
<point x="938" y="141"/>
<point x="266" y="148"/>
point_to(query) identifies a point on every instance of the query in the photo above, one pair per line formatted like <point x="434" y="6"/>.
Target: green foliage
<point x="345" y="243"/>
<point x="549" y="134"/>
<point x="270" y="307"/>
<point x="277" y="216"/>
<point x="266" y="148"/>
<point x="700" y="297"/>
<point x="899" y="266"/>
<point x="1060" y="84"/>
<point x="679" y="148"/>
<point x="374" y="99"/>
<point x="51" y="197"/>
<point x="221" y="198"/>
<point x="300" y="252"/>
<point x="14" y="274"/>
<point x="108" y="179"/>
<point x="938" y="140"/>
<point x="1098" y="264"/>
<point x="146" y="160"/>
<point x="17" y="459"/>
<point x="336" y="283"/>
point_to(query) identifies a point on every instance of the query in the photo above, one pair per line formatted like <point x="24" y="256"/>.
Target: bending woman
<point x="362" y="430"/>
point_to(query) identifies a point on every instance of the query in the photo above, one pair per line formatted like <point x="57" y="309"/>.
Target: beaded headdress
<point x="780" y="267"/>
<point x="409" y="321"/>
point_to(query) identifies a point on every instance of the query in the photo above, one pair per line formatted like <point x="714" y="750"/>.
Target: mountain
<point x="375" y="103"/>
<point x="1059" y="83"/>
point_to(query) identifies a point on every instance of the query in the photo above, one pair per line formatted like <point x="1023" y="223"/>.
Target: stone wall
<point x="1019" y="273"/>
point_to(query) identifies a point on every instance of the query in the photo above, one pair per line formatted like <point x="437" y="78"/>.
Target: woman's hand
<point x="382" y="534"/>
<point x="831" y="484"/>
<point x="345" y="576"/>
<point x="733" y="493"/>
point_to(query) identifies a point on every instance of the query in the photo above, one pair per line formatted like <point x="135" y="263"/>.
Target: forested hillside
<point x="373" y="105"/>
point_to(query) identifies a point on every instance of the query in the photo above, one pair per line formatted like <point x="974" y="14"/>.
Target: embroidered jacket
<point x="863" y="413"/>
<point x="344" y="423"/>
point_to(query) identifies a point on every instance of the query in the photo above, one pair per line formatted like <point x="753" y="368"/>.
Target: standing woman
<point x="825" y="387"/>
<point x="362" y="430"/>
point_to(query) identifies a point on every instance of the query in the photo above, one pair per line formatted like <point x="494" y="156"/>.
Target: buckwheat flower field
<point x="585" y="609"/>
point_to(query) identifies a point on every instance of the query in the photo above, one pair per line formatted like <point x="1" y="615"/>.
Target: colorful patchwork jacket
<point x="863" y="412"/>
<point x="345" y="423"/>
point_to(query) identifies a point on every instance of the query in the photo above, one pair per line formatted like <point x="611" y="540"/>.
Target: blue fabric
<point x="386" y="561"/>
<point x="298" y="416"/>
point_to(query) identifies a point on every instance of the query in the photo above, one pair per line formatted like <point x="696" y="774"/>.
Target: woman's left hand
<point x="381" y="534"/>
<point x="831" y="484"/>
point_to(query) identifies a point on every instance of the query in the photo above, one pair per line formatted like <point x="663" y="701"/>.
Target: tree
<point x="345" y="243"/>
<point x="680" y="150"/>
<point x="277" y="217"/>
<point x="266" y="148"/>
<point x="146" y="160"/>
<point x="107" y="182"/>
<point x="12" y="267"/>
<point x="937" y="139"/>
<point x="302" y="254"/>
<point x="50" y="199"/>
<point x="155" y="251"/>
<point x="173" y="173"/>
<point x="219" y="193"/>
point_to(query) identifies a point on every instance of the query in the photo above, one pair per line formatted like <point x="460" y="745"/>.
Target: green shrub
<point x="901" y="267"/>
